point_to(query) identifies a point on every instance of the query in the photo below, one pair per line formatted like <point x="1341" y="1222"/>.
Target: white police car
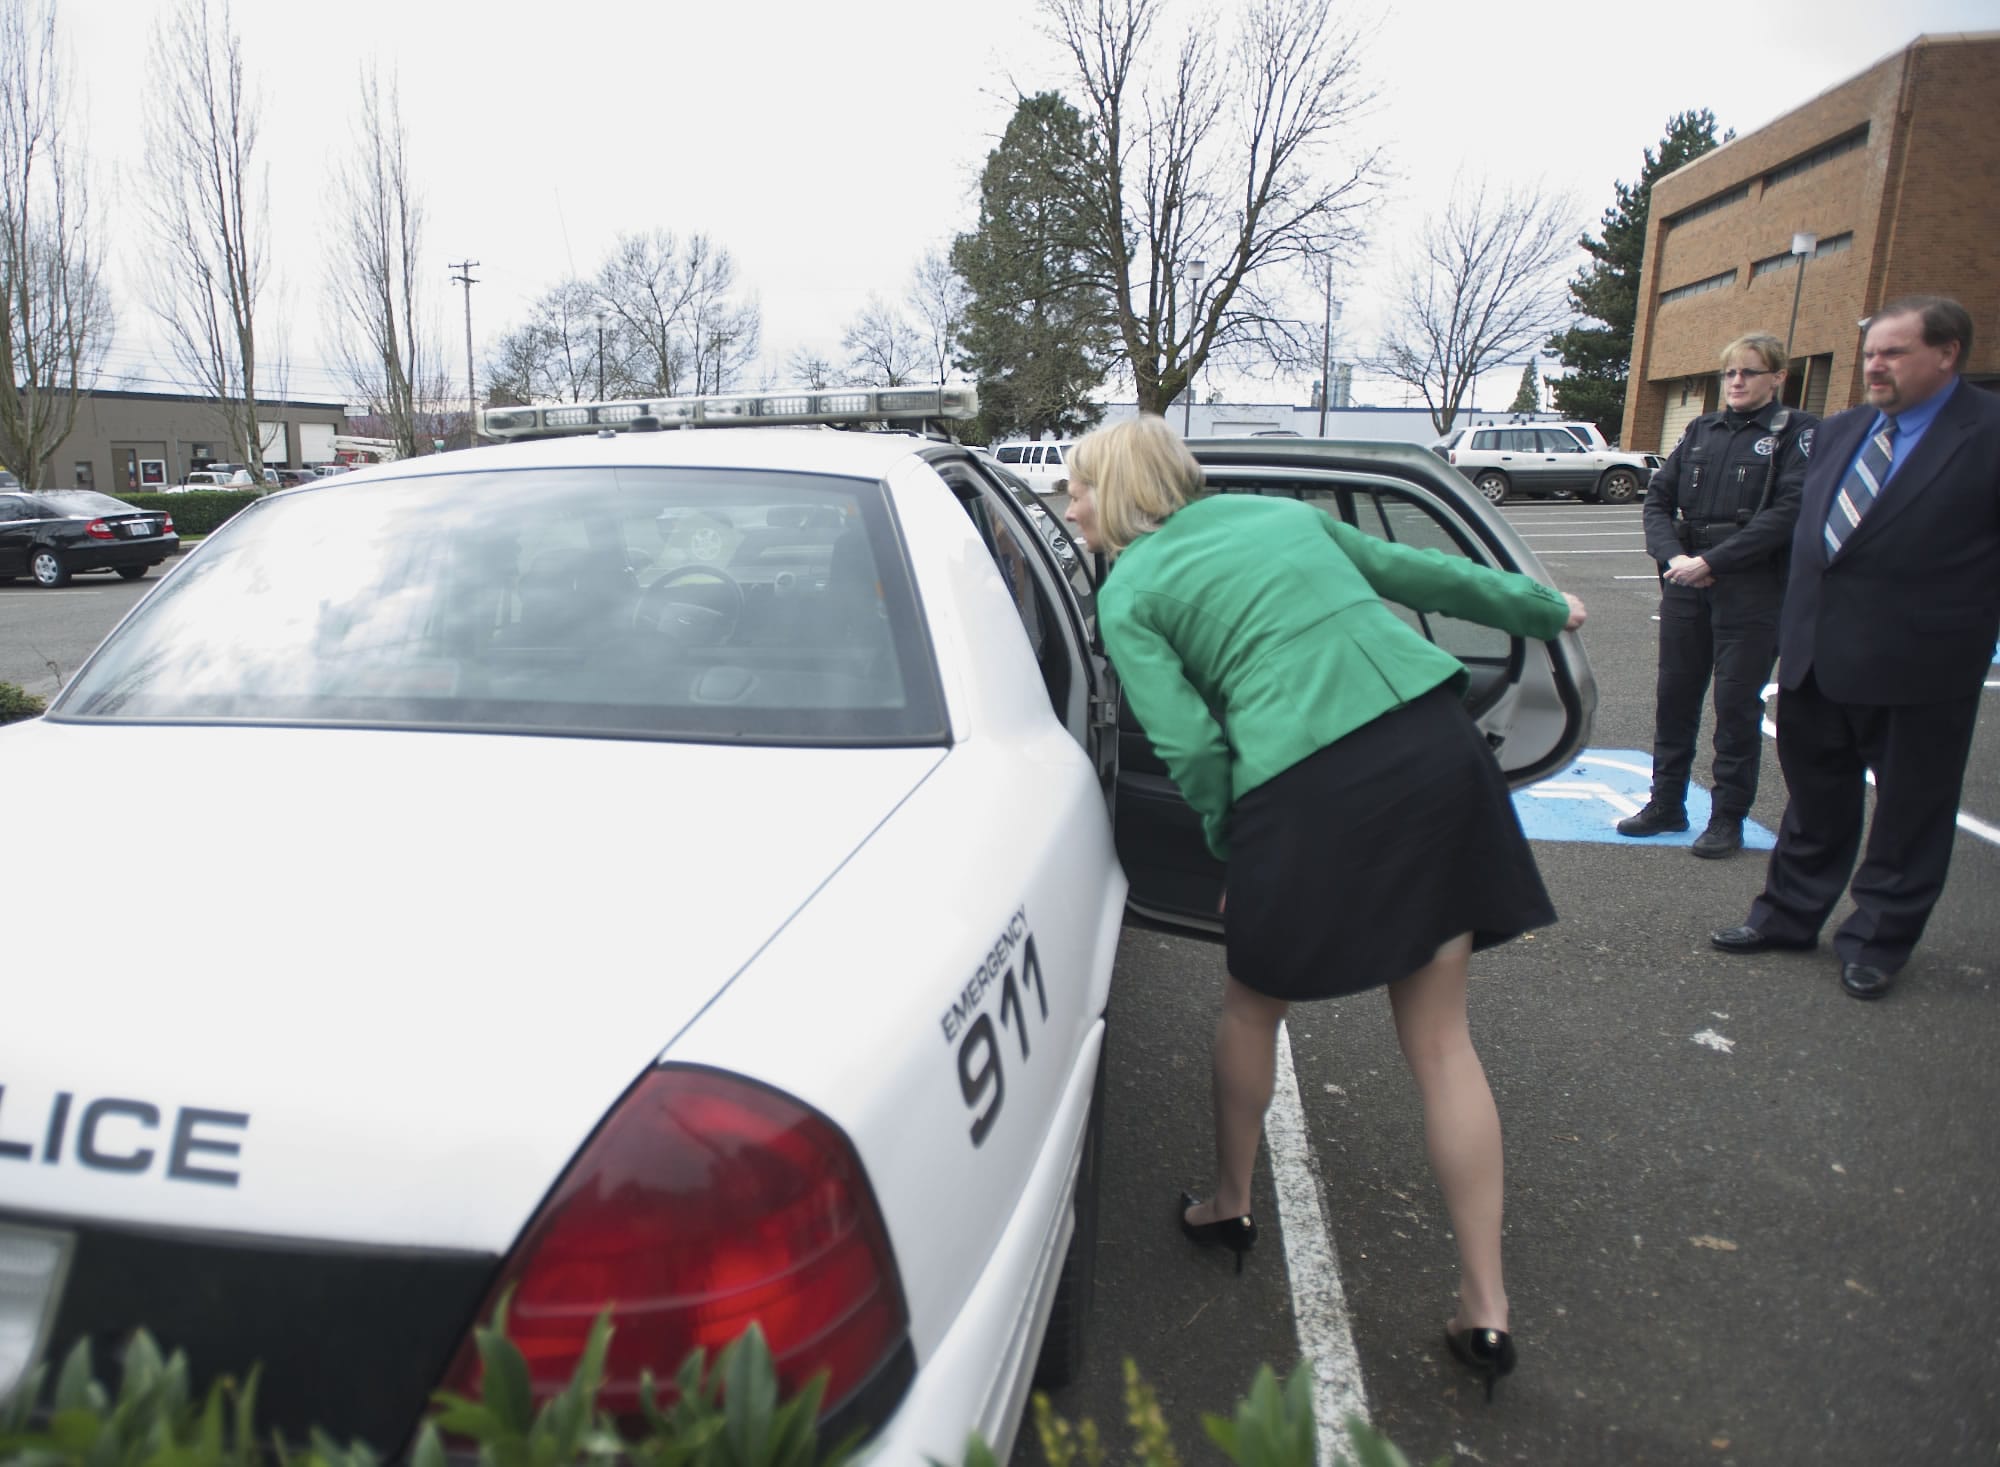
<point x="670" y="870"/>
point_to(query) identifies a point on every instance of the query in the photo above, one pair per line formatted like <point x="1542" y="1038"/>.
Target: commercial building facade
<point x="146" y="440"/>
<point x="1894" y="173"/>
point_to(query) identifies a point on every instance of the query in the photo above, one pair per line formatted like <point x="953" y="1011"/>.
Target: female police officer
<point x="1719" y="518"/>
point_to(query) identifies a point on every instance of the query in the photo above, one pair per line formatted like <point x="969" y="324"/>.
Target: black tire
<point x="132" y="572"/>
<point x="1064" y="1346"/>
<point x="45" y="564"/>
<point x="1492" y="486"/>
<point x="1618" y="486"/>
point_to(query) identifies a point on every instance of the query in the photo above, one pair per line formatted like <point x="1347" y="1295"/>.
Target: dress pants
<point x="1731" y="630"/>
<point x="1918" y="752"/>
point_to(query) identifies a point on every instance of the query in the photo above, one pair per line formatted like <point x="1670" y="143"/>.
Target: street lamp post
<point x="600" y="356"/>
<point x="1802" y="246"/>
<point x="1196" y="269"/>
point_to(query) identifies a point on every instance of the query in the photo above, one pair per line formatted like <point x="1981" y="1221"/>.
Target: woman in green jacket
<point x="1370" y="837"/>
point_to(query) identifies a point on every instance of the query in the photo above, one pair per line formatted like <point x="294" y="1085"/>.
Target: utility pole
<point x="464" y="277"/>
<point x="1326" y="349"/>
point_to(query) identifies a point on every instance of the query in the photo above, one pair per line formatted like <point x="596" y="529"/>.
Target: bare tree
<point x="209" y="207"/>
<point x="644" y="287"/>
<point x="1487" y="289"/>
<point x="939" y="296"/>
<point x="883" y="349"/>
<point x="809" y="367"/>
<point x="679" y="325"/>
<point x="552" y="356"/>
<point x="55" y="317"/>
<point x="385" y="324"/>
<point x="1231" y="158"/>
<point x="724" y="333"/>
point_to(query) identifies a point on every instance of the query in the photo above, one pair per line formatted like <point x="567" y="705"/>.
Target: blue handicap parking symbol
<point x="1599" y="788"/>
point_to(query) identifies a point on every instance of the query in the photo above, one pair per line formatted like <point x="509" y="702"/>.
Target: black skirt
<point x="1350" y="869"/>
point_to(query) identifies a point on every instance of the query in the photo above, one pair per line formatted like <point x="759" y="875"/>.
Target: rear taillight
<point x="705" y="1203"/>
<point x="98" y="530"/>
<point x="167" y="525"/>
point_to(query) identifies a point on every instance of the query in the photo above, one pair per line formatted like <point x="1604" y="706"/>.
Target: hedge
<point x="196" y="511"/>
<point x="724" y="1413"/>
<point x="17" y="703"/>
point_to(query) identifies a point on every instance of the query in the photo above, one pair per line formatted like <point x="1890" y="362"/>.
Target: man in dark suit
<point x="1884" y="642"/>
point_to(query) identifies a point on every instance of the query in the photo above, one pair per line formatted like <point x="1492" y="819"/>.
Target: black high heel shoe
<point x="1488" y="1353"/>
<point x="1237" y="1234"/>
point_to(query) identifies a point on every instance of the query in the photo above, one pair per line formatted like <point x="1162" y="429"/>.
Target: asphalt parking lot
<point x="1750" y="1219"/>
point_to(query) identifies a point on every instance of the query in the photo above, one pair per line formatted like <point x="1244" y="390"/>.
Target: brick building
<point x="1896" y="173"/>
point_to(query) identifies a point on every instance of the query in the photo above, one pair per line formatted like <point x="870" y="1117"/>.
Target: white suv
<point x="1041" y="464"/>
<point x="1537" y="460"/>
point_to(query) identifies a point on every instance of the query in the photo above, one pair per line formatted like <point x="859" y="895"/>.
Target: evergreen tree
<point x="1599" y="358"/>
<point x="1035" y="338"/>
<point x="1528" y="399"/>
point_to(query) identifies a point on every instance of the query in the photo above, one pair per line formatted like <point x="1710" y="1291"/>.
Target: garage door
<point x="1685" y="403"/>
<point x="316" y="443"/>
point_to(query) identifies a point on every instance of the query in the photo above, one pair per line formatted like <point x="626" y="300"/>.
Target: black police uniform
<point x="1709" y="499"/>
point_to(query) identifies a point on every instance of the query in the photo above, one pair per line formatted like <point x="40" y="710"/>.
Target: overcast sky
<point x="828" y="146"/>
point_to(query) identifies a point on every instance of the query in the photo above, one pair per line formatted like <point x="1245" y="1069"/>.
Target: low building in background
<point x="137" y="441"/>
<point x="1886" y="185"/>
<point x="1364" y="424"/>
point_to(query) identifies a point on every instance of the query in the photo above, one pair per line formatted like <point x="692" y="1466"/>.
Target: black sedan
<point x="60" y="531"/>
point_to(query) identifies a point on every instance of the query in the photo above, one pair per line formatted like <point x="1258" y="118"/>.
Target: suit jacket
<point x="1249" y="632"/>
<point x="1908" y="610"/>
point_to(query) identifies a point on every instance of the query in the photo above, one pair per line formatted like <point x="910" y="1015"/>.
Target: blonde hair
<point x="1140" y="472"/>
<point x="1761" y="345"/>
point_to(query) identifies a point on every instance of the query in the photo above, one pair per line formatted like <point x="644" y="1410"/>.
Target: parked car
<point x="724" y="822"/>
<point x="54" y="534"/>
<point x="1041" y="464"/>
<point x="1535" y="461"/>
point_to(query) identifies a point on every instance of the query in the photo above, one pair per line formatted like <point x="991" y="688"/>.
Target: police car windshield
<point x="666" y="603"/>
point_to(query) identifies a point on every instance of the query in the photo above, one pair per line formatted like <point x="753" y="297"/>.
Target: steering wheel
<point x="691" y="623"/>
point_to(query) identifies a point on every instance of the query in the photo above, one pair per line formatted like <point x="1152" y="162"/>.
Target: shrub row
<point x="196" y="511"/>
<point x="17" y="703"/>
<point x="725" y="1413"/>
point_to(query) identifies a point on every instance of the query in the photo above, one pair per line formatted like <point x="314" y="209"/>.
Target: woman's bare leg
<point x="1246" y="1059"/>
<point x="1461" y="1124"/>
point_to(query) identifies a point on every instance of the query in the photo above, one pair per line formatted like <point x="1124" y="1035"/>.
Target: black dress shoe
<point x="1747" y="939"/>
<point x="1658" y="818"/>
<point x="1237" y="1234"/>
<point x="1488" y="1353"/>
<point x="1864" y="981"/>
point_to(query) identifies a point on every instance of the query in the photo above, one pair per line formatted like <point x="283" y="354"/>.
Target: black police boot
<point x="1658" y="818"/>
<point x="1724" y="837"/>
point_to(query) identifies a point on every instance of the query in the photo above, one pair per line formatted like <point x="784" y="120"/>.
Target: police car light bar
<point x="735" y="410"/>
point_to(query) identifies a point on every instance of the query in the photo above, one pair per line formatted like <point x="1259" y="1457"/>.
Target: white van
<point x="1041" y="464"/>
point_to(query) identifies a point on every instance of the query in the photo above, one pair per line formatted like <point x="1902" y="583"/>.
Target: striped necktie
<point x="1861" y="486"/>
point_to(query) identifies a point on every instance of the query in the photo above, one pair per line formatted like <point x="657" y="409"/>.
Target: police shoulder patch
<point x="1805" y="442"/>
<point x="1767" y="446"/>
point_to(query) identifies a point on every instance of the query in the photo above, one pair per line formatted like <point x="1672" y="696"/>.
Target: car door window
<point x="1024" y="559"/>
<point x="1406" y="522"/>
<point x="1554" y="440"/>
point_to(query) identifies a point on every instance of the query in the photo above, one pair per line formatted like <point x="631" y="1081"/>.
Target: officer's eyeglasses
<point x="1734" y="372"/>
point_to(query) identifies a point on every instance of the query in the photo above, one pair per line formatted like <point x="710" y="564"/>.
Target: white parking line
<point x="1319" y="1304"/>
<point x="1640" y="550"/>
<point x="1576" y="535"/>
<point x="1966" y="822"/>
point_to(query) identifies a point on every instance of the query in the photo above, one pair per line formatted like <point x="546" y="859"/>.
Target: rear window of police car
<point x="669" y="603"/>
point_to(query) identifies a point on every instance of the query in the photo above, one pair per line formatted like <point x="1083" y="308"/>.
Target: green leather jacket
<point x="1249" y="632"/>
